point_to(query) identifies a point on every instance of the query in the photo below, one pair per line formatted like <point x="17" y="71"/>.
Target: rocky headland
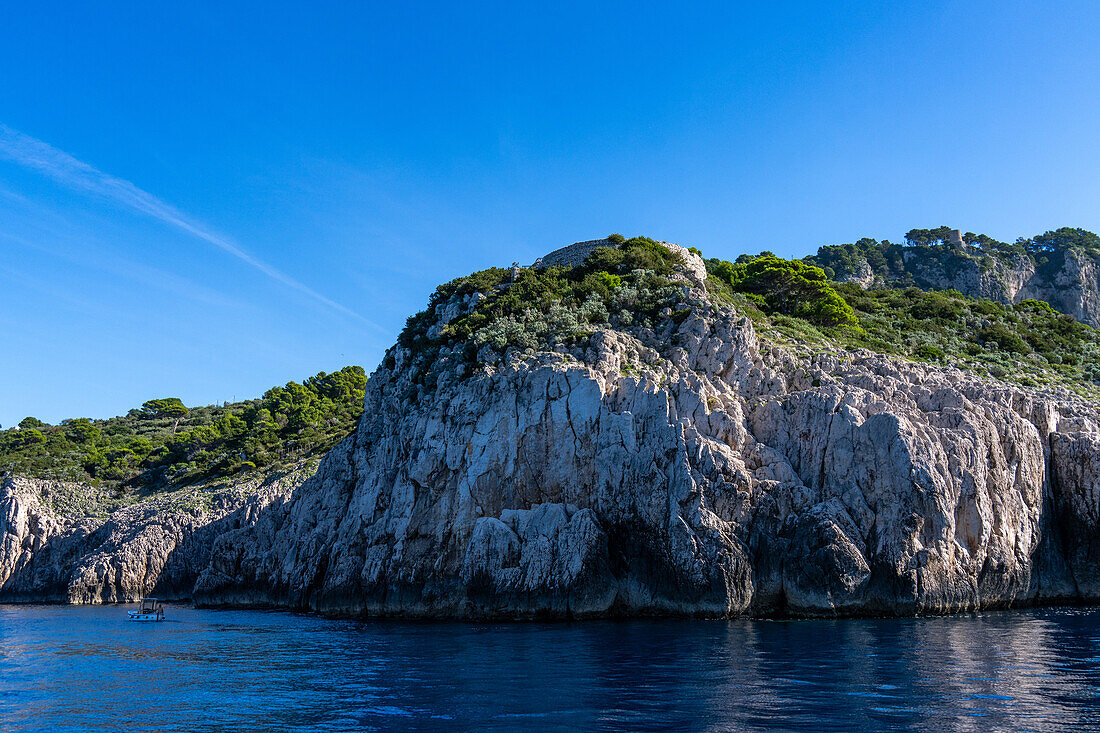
<point x="648" y="450"/>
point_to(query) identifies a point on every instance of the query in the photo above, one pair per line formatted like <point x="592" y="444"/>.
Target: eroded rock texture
<point x="1070" y="281"/>
<point x="71" y="543"/>
<point x="693" y="470"/>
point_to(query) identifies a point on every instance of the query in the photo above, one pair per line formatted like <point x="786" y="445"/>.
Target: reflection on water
<point x="88" y="668"/>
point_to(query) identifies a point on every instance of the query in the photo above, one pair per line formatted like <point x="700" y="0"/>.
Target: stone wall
<point x="572" y="255"/>
<point x="694" y="268"/>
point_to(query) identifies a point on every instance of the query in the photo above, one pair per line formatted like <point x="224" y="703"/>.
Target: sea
<point x="66" y="668"/>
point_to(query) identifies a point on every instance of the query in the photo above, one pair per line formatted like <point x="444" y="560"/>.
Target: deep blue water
<point x="66" y="668"/>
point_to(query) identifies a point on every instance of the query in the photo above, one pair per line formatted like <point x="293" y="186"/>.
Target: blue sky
<point x="205" y="200"/>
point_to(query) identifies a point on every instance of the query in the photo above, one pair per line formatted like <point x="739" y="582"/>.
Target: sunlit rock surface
<point x="688" y="469"/>
<point x="693" y="470"/>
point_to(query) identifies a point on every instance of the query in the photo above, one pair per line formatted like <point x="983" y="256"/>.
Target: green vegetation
<point x="172" y="407"/>
<point x="786" y="287"/>
<point x="630" y="285"/>
<point x="927" y="253"/>
<point x="542" y="307"/>
<point x="886" y="260"/>
<point x="165" y="441"/>
<point x="1064" y="238"/>
<point x="1029" y="341"/>
<point x="788" y="299"/>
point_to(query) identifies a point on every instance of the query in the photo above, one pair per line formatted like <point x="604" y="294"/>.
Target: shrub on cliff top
<point x="927" y="256"/>
<point x="787" y="287"/>
<point x="978" y="334"/>
<point x="1065" y="238"/>
<point x="538" y="306"/>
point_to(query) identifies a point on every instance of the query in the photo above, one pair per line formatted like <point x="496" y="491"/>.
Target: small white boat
<point x="151" y="610"/>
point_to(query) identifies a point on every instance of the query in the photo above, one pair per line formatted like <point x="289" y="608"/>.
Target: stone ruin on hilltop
<point x="573" y="254"/>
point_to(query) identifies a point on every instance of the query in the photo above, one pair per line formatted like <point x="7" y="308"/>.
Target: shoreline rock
<point x="717" y="477"/>
<point x="683" y="467"/>
<point x="72" y="543"/>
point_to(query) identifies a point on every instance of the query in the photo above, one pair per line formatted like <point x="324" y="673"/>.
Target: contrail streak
<point x="67" y="170"/>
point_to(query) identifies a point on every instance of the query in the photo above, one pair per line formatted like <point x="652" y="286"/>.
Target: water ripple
<point x="64" y="668"/>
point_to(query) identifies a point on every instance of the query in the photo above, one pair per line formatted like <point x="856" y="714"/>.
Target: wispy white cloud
<point x="89" y="254"/>
<point x="68" y="171"/>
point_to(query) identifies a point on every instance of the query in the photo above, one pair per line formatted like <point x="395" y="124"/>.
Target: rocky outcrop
<point x="862" y="275"/>
<point x="73" y="543"/>
<point x="671" y="464"/>
<point x="1072" y="286"/>
<point x="1076" y="472"/>
<point x="692" y="469"/>
<point x="1069" y="280"/>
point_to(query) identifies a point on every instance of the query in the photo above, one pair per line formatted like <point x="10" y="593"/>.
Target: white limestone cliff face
<point x="1073" y="288"/>
<point x="688" y="468"/>
<point x="863" y="276"/>
<point x="71" y="543"/>
<point x="1071" y="285"/>
<point x="1076" y="469"/>
<point x="694" y="470"/>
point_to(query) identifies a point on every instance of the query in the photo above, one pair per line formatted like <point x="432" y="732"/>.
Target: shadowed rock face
<point x="689" y="471"/>
<point x="71" y="543"/>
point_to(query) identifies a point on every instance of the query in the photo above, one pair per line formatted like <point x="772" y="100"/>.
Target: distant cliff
<point x="1061" y="267"/>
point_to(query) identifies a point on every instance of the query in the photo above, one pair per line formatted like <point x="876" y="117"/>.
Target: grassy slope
<point x="1030" y="343"/>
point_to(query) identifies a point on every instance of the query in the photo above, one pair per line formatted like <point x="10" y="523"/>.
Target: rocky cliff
<point x="661" y="456"/>
<point x="1071" y="283"/>
<point x="682" y="467"/>
<point x="73" y="543"/>
<point x="1067" y="277"/>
